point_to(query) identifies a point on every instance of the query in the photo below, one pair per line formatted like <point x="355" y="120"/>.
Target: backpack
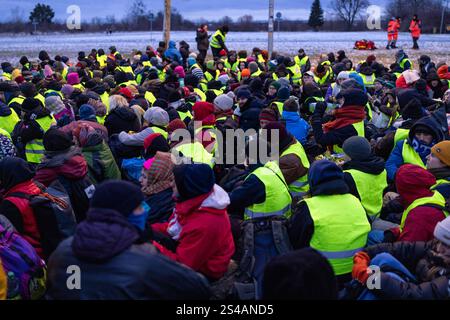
<point x="263" y="239"/>
<point x="54" y="215"/>
<point x="80" y="192"/>
<point x="25" y="270"/>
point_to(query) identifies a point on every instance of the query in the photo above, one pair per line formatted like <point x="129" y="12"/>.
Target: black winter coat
<point x="122" y="119"/>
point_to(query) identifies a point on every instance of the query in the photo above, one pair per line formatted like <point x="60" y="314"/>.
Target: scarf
<point x="345" y="116"/>
<point x="421" y="148"/>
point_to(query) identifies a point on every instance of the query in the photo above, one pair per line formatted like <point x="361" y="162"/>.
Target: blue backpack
<point x="25" y="270"/>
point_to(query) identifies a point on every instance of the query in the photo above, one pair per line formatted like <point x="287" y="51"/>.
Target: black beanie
<point x="56" y="140"/>
<point x="299" y="275"/>
<point x="353" y="97"/>
<point x="193" y="180"/>
<point x="28" y="89"/>
<point x="118" y="195"/>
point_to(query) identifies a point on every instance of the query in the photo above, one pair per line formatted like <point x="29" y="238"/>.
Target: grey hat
<point x="357" y="148"/>
<point x="253" y="67"/>
<point x="157" y="116"/>
<point x="223" y="102"/>
<point x="442" y="231"/>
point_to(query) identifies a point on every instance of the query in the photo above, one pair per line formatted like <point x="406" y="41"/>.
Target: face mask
<point x="140" y="220"/>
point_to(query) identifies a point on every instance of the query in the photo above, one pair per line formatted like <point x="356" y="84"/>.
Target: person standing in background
<point x="202" y="42"/>
<point x="415" y="27"/>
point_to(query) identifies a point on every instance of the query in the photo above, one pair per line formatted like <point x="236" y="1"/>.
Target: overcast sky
<point x="191" y="9"/>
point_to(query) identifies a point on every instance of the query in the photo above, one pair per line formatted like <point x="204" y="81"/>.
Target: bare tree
<point x="348" y="10"/>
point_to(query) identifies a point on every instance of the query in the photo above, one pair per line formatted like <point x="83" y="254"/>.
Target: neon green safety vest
<point x="5" y="133"/>
<point x="256" y="74"/>
<point x="34" y="150"/>
<point x="105" y="99"/>
<point x="340" y="229"/>
<point x="297" y="74"/>
<point x="125" y="69"/>
<point x="311" y="105"/>
<point x="370" y="189"/>
<point x="300" y="186"/>
<point x="369" y="81"/>
<point x="279" y="105"/>
<point x="41" y="98"/>
<point x="7" y="76"/>
<point x="301" y="62"/>
<point x="150" y="97"/>
<point x="402" y="63"/>
<point x="209" y="77"/>
<point x="9" y="122"/>
<point x="184" y="115"/>
<point x="278" y="199"/>
<point x="200" y="93"/>
<point x="232" y="67"/>
<point x="19" y="100"/>
<point x="359" y="127"/>
<point x="410" y="156"/>
<point x="102" y="60"/>
<point x="79" y="86"/>
<point x="436" y="199"/>
<point x="275" y="77"/>
<point x="324" y="79"/>
<point x="400" y="134"/>
<point x="163" y="132"/>
<point x="196" y="152"/>
<point x="214" y="42"/>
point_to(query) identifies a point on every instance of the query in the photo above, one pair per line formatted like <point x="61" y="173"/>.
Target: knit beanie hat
<point x="324" y="171"/>
<point x="357" y="148"/>
<point x="157" y="116"/>
<point x="243" y="93"/>
<point x="283" y="93"/>
<point x="67" y="90"/>
<point x="441" y="151"/>
<point x="191" y="61"/>
<point x="56" y="140"/>
<point x="54" y="104"/>
<point x="291" y="104"/>
<point x="175" y="124"/>
<point x="245" y="73"/>
<point x="193" y="180"/>
<point x="28" y="89"/>
<point x="223" y="102"/>
<point x="179" y="71"/>
<point x="87" y="112"/>
<point x="276" y="85"/>
<point x="73" y="78"/>
<point x="268" y="114"/>
<point x="202" y="110"/>
<point x="117" y="195"/>
<point x="353" y="97"/>
<point x="442" y="231"/>
<point x="211" y="65"/>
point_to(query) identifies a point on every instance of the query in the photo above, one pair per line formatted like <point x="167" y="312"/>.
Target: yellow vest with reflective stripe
<point x="369" y="81"/>
<point x="5" y="133"/>
<point x="214" y="42"/>
<point x="300" y="186"/>
<point x="402" y="63"/>
<point x="102" y="60"/>
<point x="301" y="62"/>
<point x="209" y="77"/>
<point x="370" y="189"/>
<point x="41" y="98"/>
<point x="278" y="200"/>
<point x="359" y="127"/>
<point x="196" y="152"/>
<point x="340" y="229"/>
<point x="101" y="120"/>
<point x="19" y="100"/>
<point x="161" y="131"/>
<point x="400" y="134"/>
<point x="324" y="79"/>
<point x="78" y="86"/>
<point x="256" y="74"/>
<point x="297" y="74"/>
<point x="279" y="105"/>
<point x="7" y="76"/>
<point x="34" y="150"/>
<point x="436" y="199"/>
<point x="200" y="93"/>
<point x="184" y="115"/>
<point x="9" y="122"/>
<point x="150" y="97"/>
<point x="410" y="156"/>
<point x="105" y="99"/>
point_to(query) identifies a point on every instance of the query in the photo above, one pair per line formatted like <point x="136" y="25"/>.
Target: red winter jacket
<point x="205" y="241"/>
<point x="73" y="169"/>
<point x="30" y="229"/>
<point x="413" y="183"/>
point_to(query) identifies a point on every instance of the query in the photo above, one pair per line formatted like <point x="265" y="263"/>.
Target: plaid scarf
<point x="159" y="174"/>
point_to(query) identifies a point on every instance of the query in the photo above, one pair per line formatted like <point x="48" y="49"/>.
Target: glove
<point x="361" y="262"/>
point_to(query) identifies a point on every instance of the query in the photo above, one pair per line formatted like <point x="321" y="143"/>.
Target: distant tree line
<point x="346" y="15"/>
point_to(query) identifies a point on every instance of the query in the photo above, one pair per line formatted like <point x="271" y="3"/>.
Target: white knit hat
<point x="223" y="102"/>
<point x="442" y="231"/>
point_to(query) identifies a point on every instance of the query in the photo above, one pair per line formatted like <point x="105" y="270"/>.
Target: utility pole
<point x="167" y="12"/>
<point x="444" y="8"/>
<point x="270" y="27"/>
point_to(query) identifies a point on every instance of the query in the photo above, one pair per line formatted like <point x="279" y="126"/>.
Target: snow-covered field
<point x="13" y="46"/>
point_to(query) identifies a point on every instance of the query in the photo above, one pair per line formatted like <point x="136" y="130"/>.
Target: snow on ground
<point x="14" y="46"/>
